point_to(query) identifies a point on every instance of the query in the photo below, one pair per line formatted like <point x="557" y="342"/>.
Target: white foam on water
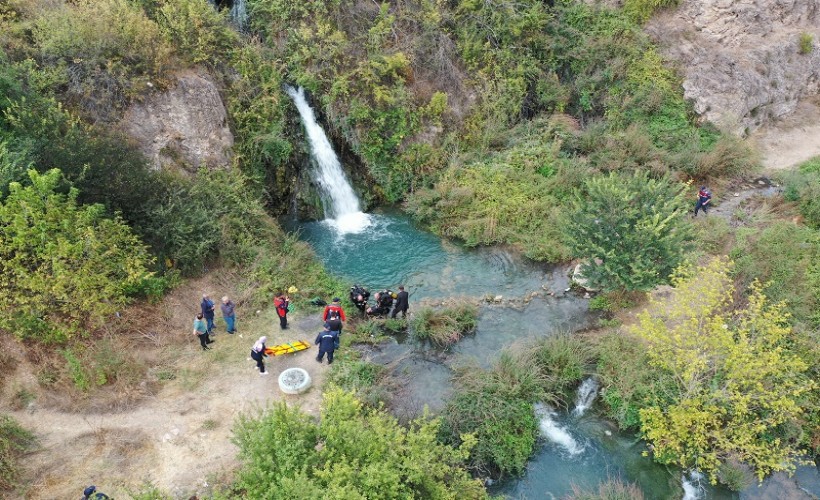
<point x="692" y="487"/>
<point x="556" y="433"/>
<point x="585" y="397"/>
<point x="338" y="198"/>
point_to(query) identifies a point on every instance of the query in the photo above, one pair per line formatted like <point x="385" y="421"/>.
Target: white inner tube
<point x="294" y="381"/>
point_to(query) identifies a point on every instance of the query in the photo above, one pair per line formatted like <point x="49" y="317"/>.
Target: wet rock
<point x="184" y="127"/>
<point x="498" y="298"/>
<point x="579" y="279"/>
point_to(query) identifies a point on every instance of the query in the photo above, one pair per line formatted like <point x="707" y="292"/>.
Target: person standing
<point x="208" y="311"/>
<point x="335" y="306"/>
<point x="334" y="324"/>
<point x="201" y="331"/>
<point x="281" y="303"/>
<point x="229" y="314"/>
<point x="326" y="340"/>
<point x="402" y="303"/>
<point x="258" y="354"/>
<point x="704" y="197"/>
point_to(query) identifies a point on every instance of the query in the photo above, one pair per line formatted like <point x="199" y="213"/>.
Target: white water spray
<point x="340" y="202"/>
<point x="585" y="397"/>
<point x="692" y="487"/>
<point x="551" y="430"/>
<point x="239" y="14"/>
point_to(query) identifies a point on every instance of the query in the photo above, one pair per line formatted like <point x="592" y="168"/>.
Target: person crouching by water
<point x="359" y="297"/>
<point x="281" y="303"/>
<point x="326" y="340"/>
<point x="201" y="331"/>
<point x="258" y="353"/>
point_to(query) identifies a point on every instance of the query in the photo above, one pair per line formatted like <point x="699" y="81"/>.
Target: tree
<point x="630" y="229"/>
<point x="354" y="452"/>
<point x="63" y="266"/>
<point x="740" y="385"/>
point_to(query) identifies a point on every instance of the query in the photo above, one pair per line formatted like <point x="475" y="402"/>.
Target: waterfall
<point x="692" y="488"/>
<point x="239" y="14"/>
<point x="586" y="395"/>
<point x="551" y="430"/>
<point x="340" y="202"/>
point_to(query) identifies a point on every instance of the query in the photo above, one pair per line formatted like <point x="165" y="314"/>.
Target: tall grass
<point x="563" y="360"/>
<point x="613" y="489"/>
<point x="444" y="327"/>
<point x="14" y="443"/>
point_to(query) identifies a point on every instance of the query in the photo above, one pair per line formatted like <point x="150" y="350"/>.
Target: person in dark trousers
<point x="402" y="303"/>
<point x="208" y="309"/>
<point x="384" y="301"/>
<point x="359" y="297"/>
<point x="334" y="323"/>
<point x="201" y="331"/>
<point x="335" y="306"/>
<point x="704" y="197"/>
<point x="91" y="493"/>
<point x="282" y="302"/>
<point x="326" y="340"/>
<point x="229" y="314"/>
<point x="258" y="354"/>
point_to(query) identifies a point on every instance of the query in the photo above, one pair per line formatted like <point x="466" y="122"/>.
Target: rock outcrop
<point x="184" y="127"/>
<point x="742" y="60"/>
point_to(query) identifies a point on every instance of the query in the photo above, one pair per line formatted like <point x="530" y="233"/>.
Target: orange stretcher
<point x="277" y="350"/>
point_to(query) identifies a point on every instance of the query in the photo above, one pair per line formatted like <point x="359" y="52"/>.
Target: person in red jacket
<point x="281" y="303"/>
<point x="335" y="306"/>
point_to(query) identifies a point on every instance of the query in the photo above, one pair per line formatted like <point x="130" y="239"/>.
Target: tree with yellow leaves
<point x="740" y="386"/>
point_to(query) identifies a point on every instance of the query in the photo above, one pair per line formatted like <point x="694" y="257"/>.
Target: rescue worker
<point x="336" y="306"/>
<point x="326" y="340"/>
<point x="402" y="303"/>
<point x="258" y="354"/>
<point x="384" y="301"/>
<point x="281" y="303"/>
<point x="704" y="197"/>
<point x="359" y="296"/>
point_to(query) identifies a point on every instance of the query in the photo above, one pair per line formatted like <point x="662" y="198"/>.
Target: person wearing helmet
<point x="359" y="297"/>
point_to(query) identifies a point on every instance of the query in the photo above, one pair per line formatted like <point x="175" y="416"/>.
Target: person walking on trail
<point x="402" y="303"/>
<point x="704" y="197"/>
<point x="229" y="314"/>
<point x="335" y="306"/>
<point x="201" y="331"/>
<point x="91" y="493"/>
<point x="281" y="303"/>
<point x="208" y="308"/>
<point x="326" y="340"/>
<point x="258" y="354"/>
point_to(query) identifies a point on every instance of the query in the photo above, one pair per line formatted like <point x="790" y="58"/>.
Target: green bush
<point x="196" y="30"/>
<point x="354" y="452"/>
<point x="642" y="10"/>
<point x="444" y="327"/>
<point x="66" y="266"/>
<point x="564" y="360"/>
<point x="630" y="229"/>
<point x="14" y="443"/>
<point x="805" y="43"/>
<point x="803" y="187"/>
<point x="496" y="406"/>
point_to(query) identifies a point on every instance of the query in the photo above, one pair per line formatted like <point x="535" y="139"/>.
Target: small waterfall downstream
<point x="692" y="487"/>
<point x="239" y="14"/>
<point x="556" y="433"/>
<point x="586" y="395"/>
<point x="338" y="198"/>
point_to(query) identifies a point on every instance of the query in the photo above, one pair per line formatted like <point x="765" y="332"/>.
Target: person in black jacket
<point x="402" y="303"/>
<point x="326" y="340"/>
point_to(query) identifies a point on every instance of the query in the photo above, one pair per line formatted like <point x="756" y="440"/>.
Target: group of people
<point x="204" y="322"/>
<point x="385" y="300"/>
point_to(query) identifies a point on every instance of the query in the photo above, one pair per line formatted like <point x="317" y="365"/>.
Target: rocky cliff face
<point x="184" y="127"/>
<point x="741" y="59"/>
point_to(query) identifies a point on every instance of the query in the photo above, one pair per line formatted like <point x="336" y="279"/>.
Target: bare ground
<point x="176" y="436"/>
<point x="793" y="140"/>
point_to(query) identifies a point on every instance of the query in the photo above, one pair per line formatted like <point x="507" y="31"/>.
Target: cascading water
<point x="692" y="487"/>
<point x="586" y="395"/>
<point x="554" y="432"/>
<point x="239" y="14"/>
<point x="340" y="202"/>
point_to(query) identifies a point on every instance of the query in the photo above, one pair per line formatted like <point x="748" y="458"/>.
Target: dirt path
<point x="793" y="140"/>
<point x="179" y="440"/>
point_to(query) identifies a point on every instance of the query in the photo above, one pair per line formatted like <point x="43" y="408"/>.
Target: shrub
<point x="631" y="230"/>
<point x="564" y="360"/>
<point x="642" y="10"/>
<point x="613" y="489"/>
<point x="67" y="266"/>
<point x="740" y="385"/>
<point x="444" y="327"/>
<point x="496" y="406"/>
<point x="196" y="30"/>
<point x="805" y="43"/>
<point x="803" y="186"/>
<point x="353" y="452"/>
<point x="14" y="443"/>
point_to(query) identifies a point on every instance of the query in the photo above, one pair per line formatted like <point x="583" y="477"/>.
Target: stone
<point x="184" y="127"/>
<point x="534" y="294"/>
<point x="737" y="194"/>
<point x="498" y="298"/>
<point x="580" y="280"/>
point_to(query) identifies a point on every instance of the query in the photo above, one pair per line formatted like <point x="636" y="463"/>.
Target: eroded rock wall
<point x="741" y="59"/>
<point x="183" y="127"/>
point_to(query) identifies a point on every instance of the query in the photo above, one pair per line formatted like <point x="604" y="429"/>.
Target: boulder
<point x="184" y="127"/>
<point x="580" y="280"/>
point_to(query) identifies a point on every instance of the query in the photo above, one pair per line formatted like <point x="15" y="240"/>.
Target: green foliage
<point x="14" y="443"/>
<point x="444" y="327"/>
<point x="564" y="360"/>
<point x="196" y="30"/>
<point x="355" y="452"/>
<point x="805" y="43"/>
<point x="612" y="489"/>
<point x="740" y="385"/>
<point x="64" y="266"/>
<point x="630" y="228"/>
<point x="642" y="10"/>
<point x="496" y="406"/>
<point x="803" y="186"/>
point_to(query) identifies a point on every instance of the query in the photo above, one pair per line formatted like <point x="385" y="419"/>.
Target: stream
<point x="520" y="299"/>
